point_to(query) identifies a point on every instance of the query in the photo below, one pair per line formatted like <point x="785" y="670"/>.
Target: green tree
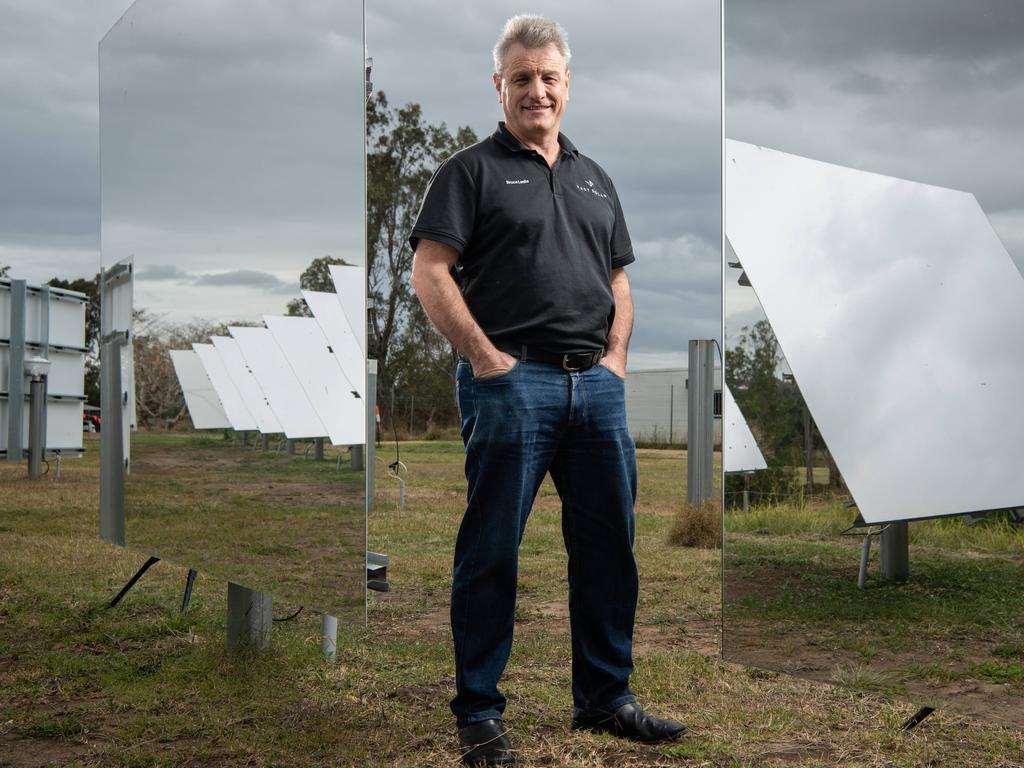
<point x="4" y="270"/>
<point x="771" y="405"/>
<point x="403" y="151"/>
<point x="316" y="277"/>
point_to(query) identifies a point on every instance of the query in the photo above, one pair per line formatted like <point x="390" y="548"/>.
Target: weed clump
<point x="697" y="525"/>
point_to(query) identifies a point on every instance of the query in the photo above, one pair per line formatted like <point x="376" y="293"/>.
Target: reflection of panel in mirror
<point x="901" y="316"/>
<point x="204" y="406"/>
<point x="331" y="317"/>
<point x="739" y="449"/>
<point x="821" y="274"/>
<point x="320" y="374"/>
<point x="252" y="395"/>
<point x="279" y="383"/>
<point x="232" y="159"/>
<point x="238" y="415"/>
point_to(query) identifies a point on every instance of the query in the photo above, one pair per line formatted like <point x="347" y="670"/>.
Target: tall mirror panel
<point x="874" y="341"/>
<point x="643" y="103"/>
<point x="232" y="180"/>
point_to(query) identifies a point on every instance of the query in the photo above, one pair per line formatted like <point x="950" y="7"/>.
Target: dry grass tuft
<point x="698" y="525"/>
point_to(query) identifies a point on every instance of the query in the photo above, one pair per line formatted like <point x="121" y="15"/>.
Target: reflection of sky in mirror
<point x="644" y="104"/>
<point x="232" y="152"/>
<point x="927" y="90"/>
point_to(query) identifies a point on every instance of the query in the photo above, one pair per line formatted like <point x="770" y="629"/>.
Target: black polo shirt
<point x="536" y="244"/>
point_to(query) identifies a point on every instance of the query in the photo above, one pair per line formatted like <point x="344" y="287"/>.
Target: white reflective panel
<point x="319" y="372"/>
<point x="277" y="380"/>
<point x="253" y="397"/>
<point x="350" y="283"/>
<point x="739" y="452"/>
<point x="239" y="416"/>
<point x="326" y="308"/>
<point x="203" y="404"/>
<point x="902" y="317"/>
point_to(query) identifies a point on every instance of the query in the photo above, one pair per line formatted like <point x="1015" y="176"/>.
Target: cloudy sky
<point x="927" y="90"/>
<point x="645" y="104"/>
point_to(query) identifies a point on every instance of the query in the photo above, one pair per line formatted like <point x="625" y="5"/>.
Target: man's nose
<point x="537" y="90"/>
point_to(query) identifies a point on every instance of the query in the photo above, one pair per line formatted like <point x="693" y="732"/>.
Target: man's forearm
<point x="445" y="307"/>
<point x="622" y="324"/>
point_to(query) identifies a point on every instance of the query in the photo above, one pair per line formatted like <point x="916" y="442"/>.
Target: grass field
<point x="952" y="636"/>
<point x="142" y="686"/>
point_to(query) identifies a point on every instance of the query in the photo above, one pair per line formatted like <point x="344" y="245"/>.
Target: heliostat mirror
<point x="232" y="164"/>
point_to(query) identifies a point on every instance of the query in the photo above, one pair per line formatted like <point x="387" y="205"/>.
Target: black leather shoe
<point x="631" y="722"/>
<point x="486" y="743"/>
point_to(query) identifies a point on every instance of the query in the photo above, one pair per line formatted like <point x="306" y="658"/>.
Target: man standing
<point x="520" y="246"/>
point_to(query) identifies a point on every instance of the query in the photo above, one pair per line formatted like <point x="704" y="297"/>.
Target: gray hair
<point x="531" y="32"/>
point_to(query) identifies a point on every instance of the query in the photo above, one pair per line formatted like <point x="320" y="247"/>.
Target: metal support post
<point x="250" y="618"/>
<point x="329" y="637"/>
<point x="265" y="442"/>
<point x="371" y="432"/>
<point x="16" y="372"/>
<point x="245" y="437"/>
<point x="865" y="555"/>
<point x="289" y="446"/>
<point x="318" y="449"/>
<point x="895" y="552"/>
<point x="700" y="428"/>
<point x="36" y="425"/>
<point x="112" y="522"/>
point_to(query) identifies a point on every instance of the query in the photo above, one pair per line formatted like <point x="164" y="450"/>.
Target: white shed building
<point x="656" y="407"/>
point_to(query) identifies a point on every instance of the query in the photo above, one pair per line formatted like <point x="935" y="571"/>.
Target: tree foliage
<point x="403" y="151"/>
<point x="316" y="277"/>
<point x="771" y="405"/>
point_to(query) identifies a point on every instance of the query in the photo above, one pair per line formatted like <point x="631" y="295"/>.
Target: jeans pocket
<point x="498" y="377"/>
<point x="613" y="373"/>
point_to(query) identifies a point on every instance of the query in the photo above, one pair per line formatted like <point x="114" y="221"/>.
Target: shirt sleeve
<point x="448" y="209"/>
<point x="621" y="245"/>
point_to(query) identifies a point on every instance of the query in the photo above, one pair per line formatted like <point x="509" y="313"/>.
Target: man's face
<point x="533" y="89"/>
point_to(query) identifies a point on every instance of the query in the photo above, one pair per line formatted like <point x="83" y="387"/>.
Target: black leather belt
<point x="568" y="361"/>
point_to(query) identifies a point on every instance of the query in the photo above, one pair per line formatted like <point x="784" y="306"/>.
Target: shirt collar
<point x="504" y="137"/>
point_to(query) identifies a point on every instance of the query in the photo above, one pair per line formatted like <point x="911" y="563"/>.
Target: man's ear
<point x="497" y="84"/>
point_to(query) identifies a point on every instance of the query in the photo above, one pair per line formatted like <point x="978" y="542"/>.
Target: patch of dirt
<point x="17" y="752"/>
<point x="552" y="617"/>
<point x="792" y="751"/>
<point x="810" y="651"/>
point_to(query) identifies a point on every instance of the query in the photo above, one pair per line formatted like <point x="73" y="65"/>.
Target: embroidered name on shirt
<point x="517" y="181"/>
<point x="590" y="189"/>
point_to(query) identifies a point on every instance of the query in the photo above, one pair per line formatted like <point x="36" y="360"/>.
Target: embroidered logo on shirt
<point x="591" y="189"/>
<point x="517" y="181"/>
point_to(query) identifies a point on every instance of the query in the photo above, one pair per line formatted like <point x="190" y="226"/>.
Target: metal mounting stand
<point x="250" y="618"/>
<point x="895" y="553"/>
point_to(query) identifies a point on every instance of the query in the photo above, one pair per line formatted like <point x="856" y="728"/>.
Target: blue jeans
<point x="517" y="427"/>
